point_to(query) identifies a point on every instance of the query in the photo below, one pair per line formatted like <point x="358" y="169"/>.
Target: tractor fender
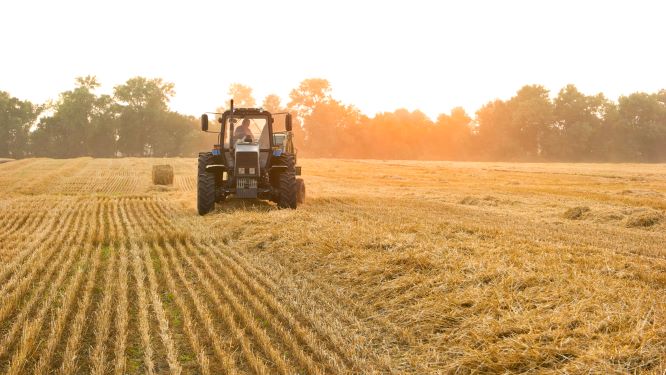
<point x="284" y="167"/>
<point x="216" y="168"/>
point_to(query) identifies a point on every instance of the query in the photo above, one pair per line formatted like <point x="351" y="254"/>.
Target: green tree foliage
<point x="146" y="127"/>
<point x="531" y="117"/>
<point x="16" y="118"/>
<point x="515" y="129"/>
<point x="643" y="122"/>
<point x="178" y="135"/>
<point x="577" y="124"/>
<point x="79" y="119"/>
<point x="103" y="127"/>
<point x="136" y="121"/>
<point x="142" y="103"/>
<point x="495" y="139"/>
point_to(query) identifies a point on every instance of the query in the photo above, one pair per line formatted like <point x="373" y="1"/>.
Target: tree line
<point x="134" y="121"/>
<point x="530" y="126"/>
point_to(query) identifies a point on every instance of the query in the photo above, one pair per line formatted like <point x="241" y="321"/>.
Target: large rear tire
<point x="288" y="186"/>
<point x="205" y="185"/>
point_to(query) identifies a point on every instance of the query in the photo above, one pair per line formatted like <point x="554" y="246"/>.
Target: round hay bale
<point x="162" y="174"/>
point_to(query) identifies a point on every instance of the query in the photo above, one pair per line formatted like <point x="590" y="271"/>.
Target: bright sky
<point x="378" y="55"/>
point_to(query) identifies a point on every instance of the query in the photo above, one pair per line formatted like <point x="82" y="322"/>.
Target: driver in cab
<point x="243" y="133"/>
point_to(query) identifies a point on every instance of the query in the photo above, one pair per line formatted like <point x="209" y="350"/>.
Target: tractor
<point x="253" y="159"/>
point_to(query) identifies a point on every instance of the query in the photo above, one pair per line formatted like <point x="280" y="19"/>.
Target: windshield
<point x="247" y="129"/>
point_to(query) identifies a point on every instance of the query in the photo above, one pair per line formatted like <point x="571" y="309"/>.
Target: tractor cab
<point x="244" y="133"/>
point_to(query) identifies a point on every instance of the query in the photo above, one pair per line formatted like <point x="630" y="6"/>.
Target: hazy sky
<point x="378" y="55"/>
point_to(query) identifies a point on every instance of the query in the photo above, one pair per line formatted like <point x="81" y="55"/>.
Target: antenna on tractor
<point x="231" y="112"/>
<point x="232" y="121"/>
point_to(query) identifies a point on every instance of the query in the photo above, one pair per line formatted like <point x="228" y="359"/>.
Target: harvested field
<point x="389" y="267"/>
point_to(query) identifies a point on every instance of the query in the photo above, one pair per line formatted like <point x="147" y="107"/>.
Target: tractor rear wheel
<point x="300" y="197"/>
<point x="205" y="185"/>
<point x="288" y="186"/>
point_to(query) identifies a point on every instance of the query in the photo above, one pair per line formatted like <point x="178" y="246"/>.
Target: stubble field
<point x="389" y="267"/>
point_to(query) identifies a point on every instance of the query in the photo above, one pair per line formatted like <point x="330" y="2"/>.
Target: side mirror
<point x="287" y="122"/>
<point x="204" y="122"/>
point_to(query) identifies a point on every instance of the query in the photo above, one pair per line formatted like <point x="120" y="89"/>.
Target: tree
<point x="452" y="135"/>
<point x="531" y="117"/>
<point x="242" y="96"/>
<point x="177" y="135"/>
<point x="577" y="125"/>
<point x="495" y="138"/>
<point x="303" y="100"/>
<point x="310" y="93"/>
<point x="103" y="128"/>
<point x="16" y="118"/>
<point x="331" y="129"/>
<point x="137" y="121"/>
<point x="515" y="129"/>
<point x="643" y="117"/>
<point x="399" y="135"/>
<point x="69" y="130"/>
<point x="272" y="103"/>
<point x="143" y="93"/>
<point x="143" y="104"/>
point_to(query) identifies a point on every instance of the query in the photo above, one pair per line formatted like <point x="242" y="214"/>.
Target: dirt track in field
<point x="389" y="267"/>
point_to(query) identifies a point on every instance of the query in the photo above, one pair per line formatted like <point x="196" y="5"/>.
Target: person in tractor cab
<point x="243" y="132"/>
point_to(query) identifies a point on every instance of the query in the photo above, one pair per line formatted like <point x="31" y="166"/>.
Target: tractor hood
<point x="247" y="160"/>
<point x="247" y="147"/>
<point x="247" y="170"/>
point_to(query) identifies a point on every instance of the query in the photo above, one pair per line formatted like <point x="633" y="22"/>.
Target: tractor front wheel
<point x="205" y="185"/>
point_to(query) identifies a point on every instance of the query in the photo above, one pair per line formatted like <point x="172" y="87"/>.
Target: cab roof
<point x="248" y="111"/>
